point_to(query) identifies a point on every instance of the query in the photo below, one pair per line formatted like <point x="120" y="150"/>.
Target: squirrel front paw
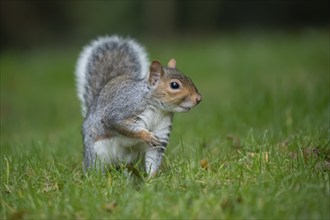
<point x="152" y="140"/>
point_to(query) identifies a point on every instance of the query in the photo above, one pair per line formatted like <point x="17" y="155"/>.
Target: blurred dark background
<point x="33" y="24"/>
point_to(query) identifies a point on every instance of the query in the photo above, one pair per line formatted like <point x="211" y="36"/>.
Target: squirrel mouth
<point x="185" y="109"/>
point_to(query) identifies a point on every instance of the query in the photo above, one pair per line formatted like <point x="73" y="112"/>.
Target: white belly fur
<point x="119" y="150"/>
<point x="124" y="150"/>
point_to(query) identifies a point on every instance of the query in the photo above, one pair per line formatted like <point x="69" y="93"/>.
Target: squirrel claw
<point x="154" y="140"/>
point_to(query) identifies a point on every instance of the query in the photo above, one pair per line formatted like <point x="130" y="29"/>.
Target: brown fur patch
<point x="144" y="135"/>
<point x="105" y="136"/>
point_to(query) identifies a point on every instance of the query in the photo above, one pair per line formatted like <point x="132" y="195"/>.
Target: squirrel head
<point x="174" y="91"/>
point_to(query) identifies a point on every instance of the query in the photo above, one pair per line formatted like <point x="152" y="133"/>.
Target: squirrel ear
<point x="156" y="71"/>
<point x="171" y="63"/>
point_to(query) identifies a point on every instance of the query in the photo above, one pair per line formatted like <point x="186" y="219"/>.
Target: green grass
<point x="263" y="128"/>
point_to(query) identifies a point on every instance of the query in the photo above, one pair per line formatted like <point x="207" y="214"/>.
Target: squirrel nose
<point x="198" y="98"/>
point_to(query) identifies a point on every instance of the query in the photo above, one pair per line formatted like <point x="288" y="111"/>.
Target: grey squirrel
<point x="128" y="108"/>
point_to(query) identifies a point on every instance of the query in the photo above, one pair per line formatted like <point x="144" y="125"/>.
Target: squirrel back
<point x="104" y="59"/>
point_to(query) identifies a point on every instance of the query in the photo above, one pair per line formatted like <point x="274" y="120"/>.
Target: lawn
<point x="256" y="147"/>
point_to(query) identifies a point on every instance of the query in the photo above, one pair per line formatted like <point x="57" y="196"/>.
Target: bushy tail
<point x="103" y="60"/>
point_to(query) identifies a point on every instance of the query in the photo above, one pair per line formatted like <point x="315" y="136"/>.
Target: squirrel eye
<point x="174" y="85"/>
